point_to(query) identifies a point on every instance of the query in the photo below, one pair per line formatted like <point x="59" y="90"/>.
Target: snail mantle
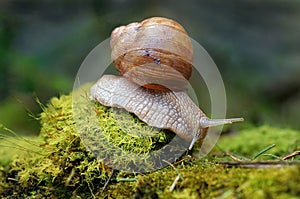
<point x="154" y="58"/>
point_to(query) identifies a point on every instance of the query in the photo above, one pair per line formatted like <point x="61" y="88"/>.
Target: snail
<point x="154" y="58"/>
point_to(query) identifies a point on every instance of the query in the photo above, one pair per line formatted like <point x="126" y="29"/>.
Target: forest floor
<point x="255" y="162"/>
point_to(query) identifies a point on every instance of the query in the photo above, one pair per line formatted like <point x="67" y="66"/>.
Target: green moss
<point x="120" y="139"/>
<point x="7" y="152"/>
<point x="64" y="160"/>
<point x="128" y="133"/>
<point x="203" y="179"/>
<point x="64" y="168"/>
<point x="13" y="145"/>
<point x="250" y="141"/>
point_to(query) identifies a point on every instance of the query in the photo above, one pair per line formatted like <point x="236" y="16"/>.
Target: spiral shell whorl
<point x="155" y="53"/>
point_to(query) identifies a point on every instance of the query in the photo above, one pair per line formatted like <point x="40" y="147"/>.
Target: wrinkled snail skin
<point x="158" y="108"/>
<point x="162" y="109"/>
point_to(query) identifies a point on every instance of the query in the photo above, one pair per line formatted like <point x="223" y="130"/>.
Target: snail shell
<point x="166" y="109"/>
<point x="156" y="53"/>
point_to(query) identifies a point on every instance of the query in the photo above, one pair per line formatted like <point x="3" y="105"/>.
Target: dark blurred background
<point x="255" y="44"/>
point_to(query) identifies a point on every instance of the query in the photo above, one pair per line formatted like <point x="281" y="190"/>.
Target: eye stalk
<point x="206" y="122"/>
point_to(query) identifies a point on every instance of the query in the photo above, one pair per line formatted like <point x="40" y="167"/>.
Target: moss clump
<point x="63" y="168"/>
<point x="206" y="180"/>
<point x="250" y="141"/>
<point x="129" y="133"/>
<point x="120" y="139"/>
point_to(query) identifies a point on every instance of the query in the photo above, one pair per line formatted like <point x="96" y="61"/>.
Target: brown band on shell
<point x="146" y="67"/>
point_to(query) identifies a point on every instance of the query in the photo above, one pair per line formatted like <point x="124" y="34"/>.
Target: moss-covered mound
<point x="64" y="168"/>
<point x="120" y="139"/>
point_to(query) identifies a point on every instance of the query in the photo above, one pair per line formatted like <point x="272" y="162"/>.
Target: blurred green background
<point x="255" y="44"/>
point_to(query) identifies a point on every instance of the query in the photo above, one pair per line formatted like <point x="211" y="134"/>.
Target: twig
<point x="238" y="158"/>
<point x="91" y="190"/>
<point x="108" y="180"/>
<point x="13" y="179"/>
<point x="182" y="160"/>
<point x="67" y="183"/>
<point x="291" y="155"/>
<point x="177" y="177"/>
<point x="174" y="183"/>
<point x="127" y="179"/>
<point x="266" y="164"/>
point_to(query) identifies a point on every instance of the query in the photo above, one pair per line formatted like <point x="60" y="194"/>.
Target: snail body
<point x="155" y="59"/>
<point x="158" y="108"/>
<point x="172" y="110"/>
